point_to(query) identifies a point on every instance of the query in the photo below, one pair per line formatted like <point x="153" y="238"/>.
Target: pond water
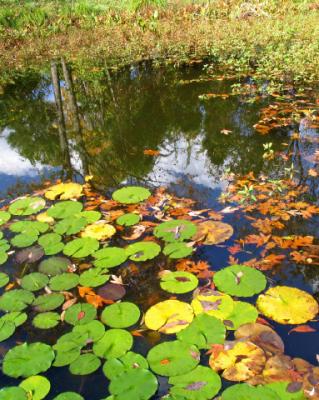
<point x="154" y="127"/>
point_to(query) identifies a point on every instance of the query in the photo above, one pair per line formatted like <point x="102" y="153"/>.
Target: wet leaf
<point x="81" y="247"/>
<point x="175" y="230"/>
<point x="131" y="194"/>
<point x="64" y="191"/>
<point x="80" y="314"/>
<point x="65" y="209"/>
<point x="115" y="343"/>
<point x="109" y="257"/>
<point x="178" y="282"/>
<point x="48" y="302"/>
<point x="27" y="206"/>
<point x="34" y="281"/>
<point x="100" y="230"/>
<point x="38" y="386"/>
<point x="142" y="251"/>
<point x="120" y="315"/>
<point x="16" y="300"/>
<point x="4" y="217"/>
<point x="302" y="329"/>
<point x="212" y="232"/>
<point x="53" y="266"/>
<point x="128" y="219"/>
<point x="85" y="364"/>
<point x="116" y="366"/>
<point x="177" y="250"/>
<point x="46" y="320"/>
<point x="13" y="393"/>
<point x="214" y="303"/>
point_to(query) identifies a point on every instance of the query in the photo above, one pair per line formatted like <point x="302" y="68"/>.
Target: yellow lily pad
<point x="64" y="191"/>
<point x="100" y="230"/>
<point x="44" y="217"/>
<point x="287" y="305"/>
<point x="169" y="316"/>
<point x="239" y="361"/>
<point x="212" y="302"/>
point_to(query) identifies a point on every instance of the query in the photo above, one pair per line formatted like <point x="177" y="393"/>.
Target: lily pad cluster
<point x="81" y="256"/>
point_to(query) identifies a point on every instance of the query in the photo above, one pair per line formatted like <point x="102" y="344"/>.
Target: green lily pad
<point x="65" y="209"/>
<point x="173" y="358"/>
<point x="128" y="219"/>
<point x="93" y="277"/>
<point x="51" y="243"/>
<point x="93" y="329"/>
<point x="46" y="320"/>
<point x="175" y="230"/>
<point x="80" y="314"/>
<point x="13" y="393"/>
<point x="203" y="331"/>
<point x="243" y="391"/>
<point x="34" y="281"/>
<point x="142" y="251"/>
<point x="239" y="280"/>
<point x="109" y="257"/>
<point x="116" y="366"/>
<point x="54" y="266"/>
<point x="70" y="225"/>
<point x="66" y="352"/>
<point x="85" y="364"/>
<point x="4" y="245"/>
<point x="242" y="313"/>
<point x="37" y="386"/>
<point x="4" y="217"/>
<point x="131" y="194"/>
<point x="16" y="300"/>
<point x="137" y="384"/>
<point x="7" y="329"/>
<point x="27" y="206"/>
<point x="69" y="396"/>
<point x="3" y="257"/>
<point x="179" y="282"/>
<point x="120" y="315"/>
<point x="23" y="240"/>
<point x="90" y="216"/>
<point x="81" y="247"/>
<point x="17" y="317"/>
<point x="202" y="383"/>
<point x="177" y="250"/>
<point x="37" y="358"/>
<point x="48" y="302"/>
<point x="65" y="281"/>
<point x="32" y="227"/>
<point x="4" y="279"/>
<point x="287" y="390"/>
<point x="114" y="343"/>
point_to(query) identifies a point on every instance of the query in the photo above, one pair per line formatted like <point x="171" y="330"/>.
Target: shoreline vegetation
<point x="277" y="40"/>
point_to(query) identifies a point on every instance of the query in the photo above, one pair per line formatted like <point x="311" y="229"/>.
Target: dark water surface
<point x="105" y="133"/>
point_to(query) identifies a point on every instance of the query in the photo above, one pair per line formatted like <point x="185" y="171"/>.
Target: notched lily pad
<point x="131" y="194"/>
<point x="64" y="191"/>
<point x="178" y="250"/>
<point x="80" y="314"/>
<point x="13" y="393"/>
<point x="99" y="230"/>
<point x="48" y="302"/>
<point x="16" y="300"/>
<point x="81" y="247"/>
<point x="64" y="209"/>
<point x="116" y="366"/>
<point x="54" y="266"/>
<point x="65" y="281"/>
<point x="37" y="386"/>
<point x="212" y="232"/>
<point x="85" y="364"/>
<point x="34" y="281"/>
<point x="94" y="277"/>
<point x="214" y="303"/>
<point x="114" y="343"/>
<point x="46" y="320"/>
<point x="4" y="217"/>
<point x="27" y="206"/>
<point x="120" y="315"/>
<point x="175" y="230"/>
<point x="128" y="219"/>
<point x="142" y="251"/>
<point x="109" y="257"/>
<point x="178" y="282"/>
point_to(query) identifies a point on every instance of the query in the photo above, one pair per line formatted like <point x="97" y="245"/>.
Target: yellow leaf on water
<point x="64" y="191"/>
<point x="287" y="305"/>
<point x="100" y="230"/>
<point x="213" y="303"/>
<point x="44" y="217"/>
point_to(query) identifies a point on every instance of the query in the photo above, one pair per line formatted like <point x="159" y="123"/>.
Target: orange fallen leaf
<point x="302" y="329"/>
<point x="149" y="152"/>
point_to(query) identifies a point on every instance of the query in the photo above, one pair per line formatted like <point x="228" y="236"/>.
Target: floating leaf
<point x="112" y="291"/>
<point x="80" y="314"/>
<point x="175" y="230"/>
<point x="120" y="315"/>
<point x="37" y="358"/>
<point x="142" y="251"/>
<point x="93" y="277"/>
<point x="13" y="393"/>
<point x="71" y="225"/>
<point x="3" y="258"/>
<point x="128" y="219"/>
<point x="116" y="366"/>
<point x="4" y="217"/>
<point x="100" y="230"/>
<point x="109" y="257"/>
<point x="67" y="351"/>
<point x="29" y="227"/>
<point x="81" y="247"/>
<point x="199" y="384"/>
<point x="34" y="281"/>
<point x="18" y="318"/>
<point x="44" y="217"/>
<point x="239" y="361"/>
<point x="85" y="364"/>
<point x="137" y="384"/>
<point x="64" y="209"/>
<point x="287" y="305"/>
<point x="90" y="216"/>
<point x="239" y="280"/>
<point x="169" y="316"/>
<point x="37" y="386"/>
<point x="214" y="303"/>
<point x="178" y="282"/>
<point x="173" y="358"/>
<point x="48" y="302"/>
<point x="23" y="240"/>
<point x="131" y="194"/>
<point x="203" y="331"/>
<point x="242" y="313"/>
<point x="65" y="281"/>
<point x="16" y="300"/>
<point x="93" y="329"/>
<point x="7" y="329"/>
<point x="64" y="191"/>
<point x="115" y="343"/>
<point x="46" y="320"/>
<point x="29" y="255"/>
<point x="27" y="206"/>
<point x="244" y="391"/>
<point x="69" y="396"/>
<point x="212" y="232"/>
<point x="177" y="250"/>
<point x="54" y="266"/>
<point x="4" y="279"/>
<point x="51" y="243"/>
<point x="284" y="392"/>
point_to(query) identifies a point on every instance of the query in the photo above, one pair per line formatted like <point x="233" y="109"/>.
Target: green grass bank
<point x="277" y="39"/>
